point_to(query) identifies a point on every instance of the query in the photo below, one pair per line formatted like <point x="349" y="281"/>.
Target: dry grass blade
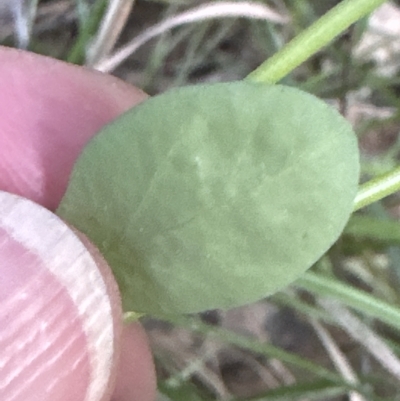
<point x="111" y="26"/>
<point x="23" y="13"/>
<point x="196" y="366"/>
<point x="338" y="359"/>
<point x="204" y="12"/>
<point x="364" y="335"/>
<point x="380" y="41"/>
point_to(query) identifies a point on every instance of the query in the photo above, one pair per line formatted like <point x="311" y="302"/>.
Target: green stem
<point x="378" y="188"/>
<point x="312" y="39"/>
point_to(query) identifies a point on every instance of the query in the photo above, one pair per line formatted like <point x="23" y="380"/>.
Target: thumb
<point x="60" y="315"/>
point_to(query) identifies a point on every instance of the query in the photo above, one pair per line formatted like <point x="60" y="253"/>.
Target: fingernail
<point x="57" y="334"/>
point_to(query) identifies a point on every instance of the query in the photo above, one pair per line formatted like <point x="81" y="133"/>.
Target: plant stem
<point x="312" y="39"/>
<point x="378" y="188"/>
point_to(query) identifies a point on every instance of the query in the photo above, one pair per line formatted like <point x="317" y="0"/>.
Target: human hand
<point x="53" y="344"/>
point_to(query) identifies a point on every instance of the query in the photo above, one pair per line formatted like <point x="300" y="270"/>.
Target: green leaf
<point x="214" y="196"/>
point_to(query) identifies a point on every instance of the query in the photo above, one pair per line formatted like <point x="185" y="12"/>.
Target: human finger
<point x="48" y="112"/>
<point x="60" y="311"/>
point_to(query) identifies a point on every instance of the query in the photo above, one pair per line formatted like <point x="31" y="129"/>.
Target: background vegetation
<point x="334" y="334"/>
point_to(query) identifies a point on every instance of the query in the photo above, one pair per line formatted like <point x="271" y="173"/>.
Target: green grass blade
<point x="377" y="229"/>
<point x="352" y="297"/>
